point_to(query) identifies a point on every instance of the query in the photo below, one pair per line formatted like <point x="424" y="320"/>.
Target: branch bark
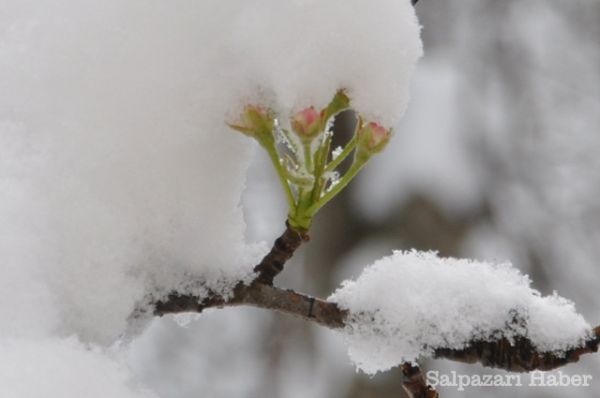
<point x="264" y="296"/>
<point x="283" y="249"/>
<point x="518" y="356"/>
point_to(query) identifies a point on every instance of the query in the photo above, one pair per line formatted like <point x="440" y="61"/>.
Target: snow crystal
<point x="336" y="152"/>
<point x="334" y="179"/>
<point x="406" y="305"/>
<point x="184" y="320"/>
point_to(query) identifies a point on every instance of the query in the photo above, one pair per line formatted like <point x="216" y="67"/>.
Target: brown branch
<point x="283" y="249"/>
<point x="262" y="296"/>
<point x="414" y="383"/>
<point x="520" y="356"/>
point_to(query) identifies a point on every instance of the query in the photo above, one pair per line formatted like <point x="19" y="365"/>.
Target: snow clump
<point x="406" y="305"/>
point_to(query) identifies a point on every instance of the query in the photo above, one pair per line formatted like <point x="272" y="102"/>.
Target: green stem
<point x="321" y="156"/>
<point x="297" y="217"/>
<point x="308" y="157"/>
<point x="342" y="156"/>
<point x="350" y="174"/>
<point x="300" y="180"/>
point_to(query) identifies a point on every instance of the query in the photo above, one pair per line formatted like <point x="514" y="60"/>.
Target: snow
<point x="55" y="368"/>
<point x="114" y="143"/>
<point x="119" y="179"/>
<point x="406" y="305"/>
<point x="301" y="52"/>
<point x="336" y="152"/>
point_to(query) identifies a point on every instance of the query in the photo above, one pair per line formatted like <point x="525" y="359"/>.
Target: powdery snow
<point x="63" y="368"/>
<point x="406" y="305"/>
<point x="119" y="179"/>
<point x="302" y="51"/>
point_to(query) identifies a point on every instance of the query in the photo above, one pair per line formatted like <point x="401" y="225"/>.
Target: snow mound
<point x="119" y="179"/>
<point x="118" y="176"/>
<point x="63" y="368"/>
<point x="406" y="305"/>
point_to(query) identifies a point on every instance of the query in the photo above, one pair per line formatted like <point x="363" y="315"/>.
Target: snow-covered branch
<point x="519" y="355"/>
<point x="507" y="327"/>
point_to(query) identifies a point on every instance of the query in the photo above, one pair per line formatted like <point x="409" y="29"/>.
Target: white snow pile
<point x="63" y="368"/>
<point x="408" y="304"/>
<point x="119" y="179"/>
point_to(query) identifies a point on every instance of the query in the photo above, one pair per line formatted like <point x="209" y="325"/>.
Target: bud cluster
<point x="306" y="166"/>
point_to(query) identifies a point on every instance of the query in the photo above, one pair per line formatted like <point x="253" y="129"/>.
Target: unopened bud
<point x="307" y="123"/>
<point x="373" y="137"/>
<point x="254" y="122"/>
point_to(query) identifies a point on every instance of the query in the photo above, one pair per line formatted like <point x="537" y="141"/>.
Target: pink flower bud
<point x="254" y="121"/>
<point x="307" y="123"/>
<point x="373" y="137"/>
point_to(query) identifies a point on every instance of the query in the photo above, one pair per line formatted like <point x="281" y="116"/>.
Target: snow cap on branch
<point x="406" y="305"/>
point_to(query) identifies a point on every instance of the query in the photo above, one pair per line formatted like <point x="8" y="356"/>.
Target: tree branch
<point x="519" y="356"/>
<point x="283" y="249"/>
<point x="262" y="296"/>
